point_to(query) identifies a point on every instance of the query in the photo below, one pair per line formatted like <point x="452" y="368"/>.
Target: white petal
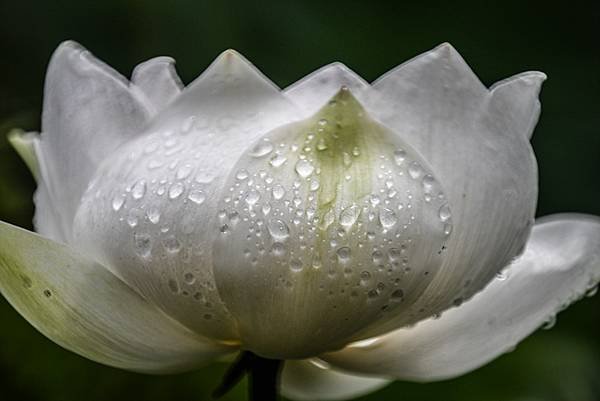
<point x="315" y="380"/>
<point x="438" y="105"/>
<point x="561" y="262"/>
<point x="83" y="307"/>
<point x="89" y="111"/>
<point x="149" y="207"/>
<point x="325" y="227"/>
<point x="158" y="80"/>
<point x="312" y="91"/>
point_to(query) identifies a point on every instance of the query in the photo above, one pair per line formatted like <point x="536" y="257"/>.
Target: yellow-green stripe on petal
<point x="325" y="227"/>
<point x="24" y="144"/>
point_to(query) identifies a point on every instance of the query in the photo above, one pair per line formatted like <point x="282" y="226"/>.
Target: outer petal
<point x="478" y="146"/>
<point x="147" y="211"/>
<point x="312" y="91"/>
<point x="315" y="380"/>
<point x="83" y="307"/>
<point x="47" y="218"/>
<point x="158" y="80"/>
<point x="89" y="111"/>
<point x="326" y="226"/>
<point x="561" y="262"/>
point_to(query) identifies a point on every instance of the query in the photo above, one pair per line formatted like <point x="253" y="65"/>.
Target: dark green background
<point x="287" y="40"/>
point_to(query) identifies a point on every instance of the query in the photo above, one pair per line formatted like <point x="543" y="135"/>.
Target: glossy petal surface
<point x="82" y="306"/>
<point x="561" y="262"/>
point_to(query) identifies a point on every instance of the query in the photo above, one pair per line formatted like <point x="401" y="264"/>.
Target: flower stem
<point x="263" y="377"/>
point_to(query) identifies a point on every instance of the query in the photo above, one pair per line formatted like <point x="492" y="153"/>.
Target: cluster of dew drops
<point x="280" y="223"/>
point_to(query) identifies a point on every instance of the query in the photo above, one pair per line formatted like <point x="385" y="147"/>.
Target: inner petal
<point x="326" y="226"/>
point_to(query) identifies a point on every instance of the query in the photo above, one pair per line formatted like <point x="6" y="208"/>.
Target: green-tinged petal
<point x="83" y="307"/>
<point x="560" y="264"/>
<point x="325" y="227"/>
<point x="24" y="144"/>
<point x="314" y="380"/>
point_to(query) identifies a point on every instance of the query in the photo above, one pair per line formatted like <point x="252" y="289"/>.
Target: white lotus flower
<point x="329" y="224"/>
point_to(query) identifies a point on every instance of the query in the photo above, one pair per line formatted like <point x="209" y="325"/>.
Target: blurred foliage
<point x="287" y="40"/>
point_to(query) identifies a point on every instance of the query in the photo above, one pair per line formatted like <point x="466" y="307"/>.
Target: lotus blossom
<point x="359" y="232"/>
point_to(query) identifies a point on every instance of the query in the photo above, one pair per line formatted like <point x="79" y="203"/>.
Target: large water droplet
<point x="252" y="197"/>
<point x="415" y="170"/>
<point x="172" y="244"/>
<point x="242" y="174"/>
<point x="304" y="168"/>
<point x="197" y="196"/>
<point x="278" y="229"/>
<point x="153" y="215"/>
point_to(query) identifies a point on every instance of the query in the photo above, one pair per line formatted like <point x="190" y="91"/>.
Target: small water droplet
<point x="176" y="190"/>
<point x="277" y="161"/>
<point x="415" y="170"/>
<point x="278" y="192"/>
<point x="173" y="286"/>
<point x="399" y="156"/>
<point x="322" y="122"/>
<point x="397" y="295"/>
<point x="304" y="168"/>
<point x="278" y="229"/>
<point x="296" y="265"/>
<point x="321" y="144"/>
<point x="139" y="189"/>
<point x="550" y="323"/>
<point x="197" y="196"/>
<point x="184" y="171"/>
<point x="117" y="202"/>
<point x="344" y="254"/>
<point x="349" y="215"/>
<point x="444" y="213"/>
<point x="314" y="184"/>
<point x="278" y="249"/>
<point x="189" y="278"/>
<point x="153" y="215"/>
<point x="252" y="197"/>
<point x="387" y="218"/>
<point x="142" y="244"/>
<point x="261" y="149"/>
<point x="172" y="244"/>
<point x="242" y="174"/>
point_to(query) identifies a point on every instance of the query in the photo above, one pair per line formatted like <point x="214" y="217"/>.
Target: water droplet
<point x="296" y="265"/>
<point x="387" y="218"/>
<point x="139" y="189"/>
<point x="591" y="292"/>
<point x="242" y="174"/>
<point x="415" y="170"/>
<point x="349" y="215"/>
<point x="304" y="168"/>
<point x="322" y="122"/>
<point x="173" y="286"/>
<point x="184" y="171"/>
<point x="447" y="229"/>
<point x="252" y="197"/>
<point x="321" y="144"/>
<point x="278" y="229"/>
<point x="399" y="156"/>
<point x="277" y="161"/>
<point x="501" y="276"/>
<point x="117" y="202"/>
<point x="444" y="213"/>
<point x="549" y="323"/>
<point x="355" y="151"/>
<point x="132" y="218"/>
<point x="142" y="244"/>
<point x="261" y="149"/>
<point x="397" y="295"/>
<point x="278" y="192"/>
<point x="189" y="278"/>
<point x="377" y="257"/>
<point x="172" y="244"/>
<point x="176" y="190"/>
<point x="328" y="219"/>
<point x="346" y="159"/>
<point x="344" y="254"/>
<point x="314" y="184"/>
<point x="278" y="249"/>
<point x="153" y="215"/>
<point x="197" y="196"/>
